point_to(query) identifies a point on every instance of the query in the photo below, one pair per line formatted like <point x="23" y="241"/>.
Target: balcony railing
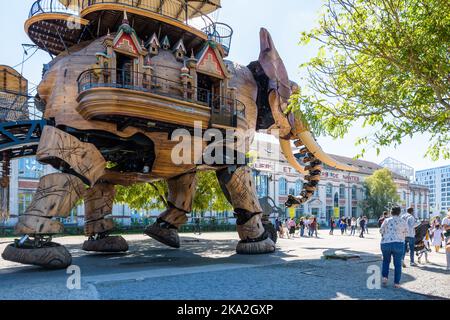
<point x="136" y="81"/>
<point x="51" y="6"/>
<point x="14" y="107"/>
<point x="220" y="33"/>
<point x="173" y="9"/>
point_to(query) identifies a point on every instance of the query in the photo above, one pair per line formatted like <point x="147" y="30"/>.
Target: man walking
<point x="446" y="225"/>
<point x="362" y="224"/>
<point x="412" y="223"/>
<point x="197" y="229"/>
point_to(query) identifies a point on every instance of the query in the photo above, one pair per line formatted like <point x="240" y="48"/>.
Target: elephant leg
<point x="56" y="195"/>
<point x="98" y="203"/>
<point x="238" y="186"/>
<point x="80" y="163"/>
<point x="180" y="198"/>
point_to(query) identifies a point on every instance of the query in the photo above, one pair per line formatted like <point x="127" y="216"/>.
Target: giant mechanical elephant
<point x="81" y="150"/>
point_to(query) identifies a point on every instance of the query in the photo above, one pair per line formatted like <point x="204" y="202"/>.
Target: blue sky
<point x="285" y="19"/>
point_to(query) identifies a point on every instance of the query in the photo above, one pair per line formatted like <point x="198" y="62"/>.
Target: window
<point x="354" y="212"/>
<point x="283" y="209"/>
<point x="300" y="211"/>
<point x="298" y="187"/>
<point x="283" y="186"/>
<point x="329" y="190"/>
<point x="342" y="211"/>
<point x="29" y="168"/>
<point x="354" y="191"/>
<point x="330" y="213"/>
<point x="25" y="198"/>
<point x="342" y="191"/>
<point x="262" y="185"/>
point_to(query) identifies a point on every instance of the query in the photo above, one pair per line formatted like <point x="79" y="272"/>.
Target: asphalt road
<point x="207" y="268"/>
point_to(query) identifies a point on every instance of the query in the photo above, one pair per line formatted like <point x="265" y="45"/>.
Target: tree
<point x="385" y="63"/>
<point x="146" y="196"/>
<point x="380" y="191"/>
<point x="143" y="196"/>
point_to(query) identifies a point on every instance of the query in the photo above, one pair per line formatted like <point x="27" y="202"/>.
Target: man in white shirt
<point x="446" y="225"/>
<point x="410" y="240"/>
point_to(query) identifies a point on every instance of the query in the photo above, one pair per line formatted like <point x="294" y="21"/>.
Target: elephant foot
<point x="164" y="233"/>
<point x="49" y="255"/>
<point x="258" y="247"/>
<point x="106" y="245"/>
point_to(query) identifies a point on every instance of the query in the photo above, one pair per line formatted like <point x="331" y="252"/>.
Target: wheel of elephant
<point x="270" y="229"/>
<point x="167" y="236"/>
<point x="51" y="256"/>
<point x="106" y="245"/>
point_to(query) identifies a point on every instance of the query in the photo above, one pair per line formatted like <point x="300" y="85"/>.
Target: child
<point x="425" y="249"/>
<point x="438" y="237"/>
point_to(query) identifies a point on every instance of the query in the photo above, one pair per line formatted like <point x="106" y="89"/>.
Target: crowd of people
<point x="288" y="228"/>
<point x="350" y="226"/>
<point x="403" y="234"/>
<point x="308" y="227"/>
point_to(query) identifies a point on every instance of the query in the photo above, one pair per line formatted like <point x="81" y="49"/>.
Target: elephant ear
<point x="274" y="67"/>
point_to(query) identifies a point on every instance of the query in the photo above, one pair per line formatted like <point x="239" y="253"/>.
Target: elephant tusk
<point x="289" y="155"/>
<point x="313" y="147"/>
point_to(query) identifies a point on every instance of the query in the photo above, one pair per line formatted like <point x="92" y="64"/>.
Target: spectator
<point x="343" y="226"/>
<point x="382" y="218"/>
<point x="307" y="226"/>
<point x="353" y="226"/>
<point x="394" y="231"/>
<point x="438" y="236"/>
<point x="286" y="228"/>
<point x="280" y="228"/>
<point x="446" y="227"/>
<point x="362" y="225"/>
<point x="291" y="224"/>
<point x="366" y="225"/>
<point x="349" y="223"/>
<point x="313" y="227"/>
<point x="197" y="228"/>
<point x="301" y="226"/>
<point x="332" y="225"/>
<point x="410" y="238"/>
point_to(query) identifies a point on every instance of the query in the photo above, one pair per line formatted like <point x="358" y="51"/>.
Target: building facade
<point x="438" y="181"/>
<point x="339" y="193"/>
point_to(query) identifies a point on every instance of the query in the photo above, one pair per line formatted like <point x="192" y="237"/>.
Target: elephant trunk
<point x="312" y="156"/>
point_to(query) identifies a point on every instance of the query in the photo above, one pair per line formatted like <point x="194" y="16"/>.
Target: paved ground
<point x="207" y="268"/>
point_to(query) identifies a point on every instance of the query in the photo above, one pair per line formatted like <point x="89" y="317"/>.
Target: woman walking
<point x="446" y="227"/>
<point x="394" y="231"/>
<point x="314" y="227"/>
<point x="438" y="236"/>
<point x="332" y="226"/>
<point x="353" y="226"/>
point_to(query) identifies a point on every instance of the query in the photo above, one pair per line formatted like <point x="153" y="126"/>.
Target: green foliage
<point x="143" y="196"/>
<point x="380" y="190"/>
<point x="208" y="196"/>
<point x="382" y="63"/>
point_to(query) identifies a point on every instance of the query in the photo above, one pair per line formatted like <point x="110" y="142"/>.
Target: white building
<point x="24" y="179"/>
<point x="438" y="181"/>
<point x="338" y="191"/>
